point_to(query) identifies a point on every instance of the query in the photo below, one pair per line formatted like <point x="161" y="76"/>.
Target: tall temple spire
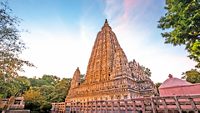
<point x="106" y="22"/>
<point x="109" y="74"/>
<point x="107" y="59"/>
<point x="76" y="78"/>
<point x="106" y="25"/>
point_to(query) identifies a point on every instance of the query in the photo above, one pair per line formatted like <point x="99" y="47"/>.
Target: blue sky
<point x="61" y="35"/>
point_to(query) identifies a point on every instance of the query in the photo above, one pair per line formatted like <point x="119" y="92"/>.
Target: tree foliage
<point x="13" y="87"/>
<point x="11" y="46"/>
<point x="48" y="88"/>
<point x="157" y="86"/>
<point x="61" y="90"/>
<point x="182" y="26"/>
<point x="33" y="95"/>
<point x="33" y="99"/>
<point x="192" y="76"/>
<point x="38" y="92"/>
<point x="51" y="87"/>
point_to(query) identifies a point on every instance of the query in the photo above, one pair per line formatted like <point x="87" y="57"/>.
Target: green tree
<point x="33" y="99"/>
<point x="182" y="26"/>
<point x="33" y="95"/>
<point x="46" y="91"/>
<point x="61" y="90"/>
<point x="192" y="76"/>
<point x="50" y="79"/>
<point x="10" y="44"/>
<point x="13" y="87"/>
<point x="32" y="105"/>
<point x="157" y="86"/>
<point x="24" y="84"/>
<point x="44" y="80"/>
<point x="3" y="88"/>
<point x="45" y="107"/>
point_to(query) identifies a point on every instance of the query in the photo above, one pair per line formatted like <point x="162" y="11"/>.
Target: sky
<point x="61" y="33"/>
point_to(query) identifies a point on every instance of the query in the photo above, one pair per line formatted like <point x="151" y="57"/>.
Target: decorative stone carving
<point x="109" y="74"/>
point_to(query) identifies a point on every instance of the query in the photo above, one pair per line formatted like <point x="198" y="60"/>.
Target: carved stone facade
<point x="109" y="75"/>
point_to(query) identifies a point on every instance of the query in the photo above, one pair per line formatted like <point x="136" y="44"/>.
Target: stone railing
<point x="168" y="104"/>
<point x="58" y="107"/>
<point x="12" y="103"/>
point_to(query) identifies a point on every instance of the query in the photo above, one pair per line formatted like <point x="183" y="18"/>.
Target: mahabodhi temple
<point x="114" y="85"/>
<point x="110" y="76"/>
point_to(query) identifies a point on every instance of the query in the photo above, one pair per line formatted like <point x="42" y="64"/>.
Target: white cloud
<point x="139" y="43"/>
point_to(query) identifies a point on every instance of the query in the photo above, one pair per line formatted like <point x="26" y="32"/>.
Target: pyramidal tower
<point x="107" y="60"/>
<point x="109" y="74"/>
